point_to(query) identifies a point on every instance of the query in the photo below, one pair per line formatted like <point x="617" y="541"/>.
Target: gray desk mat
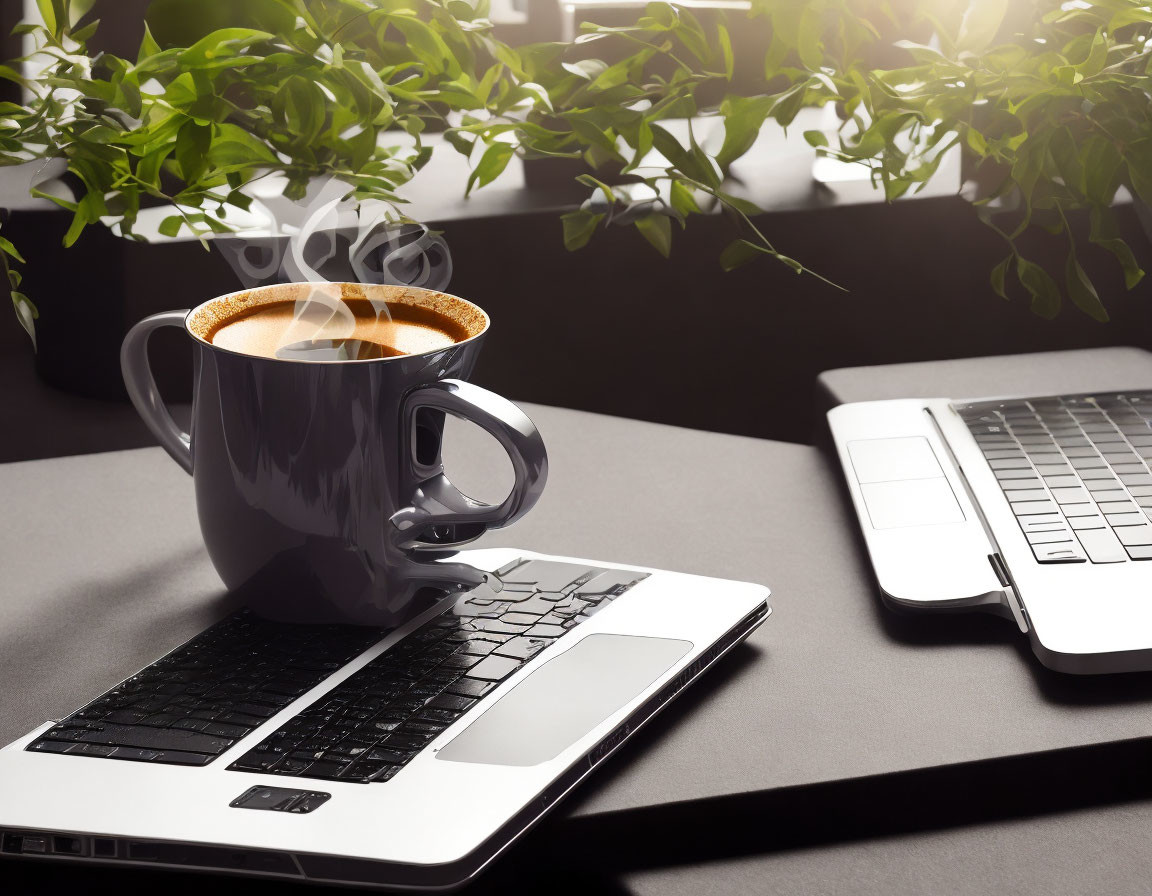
<point x="103" y="570"/>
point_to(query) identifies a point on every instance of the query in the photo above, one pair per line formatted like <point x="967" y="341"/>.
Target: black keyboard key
<point x="437" y="716"/>
<point x="612" y="581"/>
<point x="157" y="739"/>
<point x="255" y="762"/>
<point x="409" y="742"/>
<point x="386" y="773"/>
<point x="478" y="648"/>
<point x="545" y="631"/>
<point x="522" y="648"/>
<point x="453" y="702"/>
<point x="497" y="626"/>
<point x="173" y="757"/>
<point x="470" y="687"/>
<point x="462" y="661"/>
<point x="494" y="668"/>
<point x="92" y="749"/>
<point x="51" y="746"/>
<point x="547" y="575"/>
<point x="390" y="757"/>
<point x="519" y="618"/>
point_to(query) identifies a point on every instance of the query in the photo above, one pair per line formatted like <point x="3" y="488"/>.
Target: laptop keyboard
<point x="371" y="725"/>
<point x="200" y="700"/>
<point x="193" y="704"/>
<point x="1075" y="470"/>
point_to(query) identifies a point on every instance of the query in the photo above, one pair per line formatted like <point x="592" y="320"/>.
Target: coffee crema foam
<point x="281" y="322"/>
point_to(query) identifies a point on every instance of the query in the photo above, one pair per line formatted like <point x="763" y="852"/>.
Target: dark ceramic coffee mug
<point x="319" y="484"/>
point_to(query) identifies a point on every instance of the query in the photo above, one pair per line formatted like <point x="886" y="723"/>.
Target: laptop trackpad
<point x="565" y="699"/>
<point x="912" y="502"/>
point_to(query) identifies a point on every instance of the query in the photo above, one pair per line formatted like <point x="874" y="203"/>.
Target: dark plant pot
<point x="557" y="176"/>
<point x="89" y="295"/>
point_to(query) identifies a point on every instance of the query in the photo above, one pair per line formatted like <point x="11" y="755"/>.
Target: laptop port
<point x="66" y="846"/>
<point x="34" y="843"/>
<point x="11" y="843"/>
<point x="103" y="848"/>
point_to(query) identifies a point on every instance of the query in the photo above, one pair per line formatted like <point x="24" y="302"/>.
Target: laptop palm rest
<point x="565" y="699"/>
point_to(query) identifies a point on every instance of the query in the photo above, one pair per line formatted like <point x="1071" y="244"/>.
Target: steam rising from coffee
<point x="324" y="239"/>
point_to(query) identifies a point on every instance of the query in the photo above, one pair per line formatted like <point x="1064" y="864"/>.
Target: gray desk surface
<point x="104" y="571"/>
<point x="1102" y="850"/>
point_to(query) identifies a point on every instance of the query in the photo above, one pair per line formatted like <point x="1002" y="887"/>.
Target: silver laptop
<point x="347" y="755"/>
<point x="1035" y="508"/>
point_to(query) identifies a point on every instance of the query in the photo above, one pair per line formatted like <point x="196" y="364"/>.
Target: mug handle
<point x="142" y="389"/>
<point x="437" y="502"/>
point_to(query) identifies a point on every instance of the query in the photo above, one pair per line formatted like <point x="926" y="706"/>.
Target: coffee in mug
<point x="312" y="330"/>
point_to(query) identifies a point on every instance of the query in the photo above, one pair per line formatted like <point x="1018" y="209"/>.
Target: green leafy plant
<point x="1050" y="104"/>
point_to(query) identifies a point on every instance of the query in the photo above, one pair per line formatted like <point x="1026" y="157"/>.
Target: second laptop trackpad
<point x="565" y="699"/>
<point x="911" y="502"/>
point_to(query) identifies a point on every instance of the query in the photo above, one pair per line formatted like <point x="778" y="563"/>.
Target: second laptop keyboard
<point x="1075" y="470"/>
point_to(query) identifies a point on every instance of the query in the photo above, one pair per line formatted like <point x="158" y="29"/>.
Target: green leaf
<point x="578" y="228"/>
<point x="1101" y="164"/>
<point x="87" y="212"/>
<point x="809" y="43"/>
<point x="787" y="105"/>
<point x="212" y="45"/>
<point x="726" y="51"/>
<point x="998" y="274"/>
<point x="741" y="205"/>
<point x="181" y="92"/>
<point x="26" y="314"/>
<point x="816" y="138"/>
<point x="460" y="141"/>
<point x="54" y="13"/>
<point x="740" y="252"/>
<point x="1043" y="289"/>
<point x="235" y="149"/>
<point x="1081" y="290"/>
<point x="428" y="46"/>
<point x="82" y="35"/>
<point x="593" y="135"/>
<point x="1103" y="234"/>
<point x="743" y="119"/>
<point x="7" y="247"/>
<point x="171" y="225"/>
<point x="192" y="143"/>
<point x="1140" y="175"/>
<point x="490" y="166"/>
<point x="981" y="24"/>
<point x="148" y="46"/>
<point x="302" y="108"/>
<point x="1097" y="56"/>
<point x="10" y="74"/>
<point x="588" y="69"/>
<point x="589" y="181"/>
<point x="181" y="23"/>
<point x="657" y="229"/>
<point x="682" y="199"/>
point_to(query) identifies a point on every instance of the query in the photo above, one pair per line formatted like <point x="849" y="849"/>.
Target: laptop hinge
<point x="1011" y="598"/>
